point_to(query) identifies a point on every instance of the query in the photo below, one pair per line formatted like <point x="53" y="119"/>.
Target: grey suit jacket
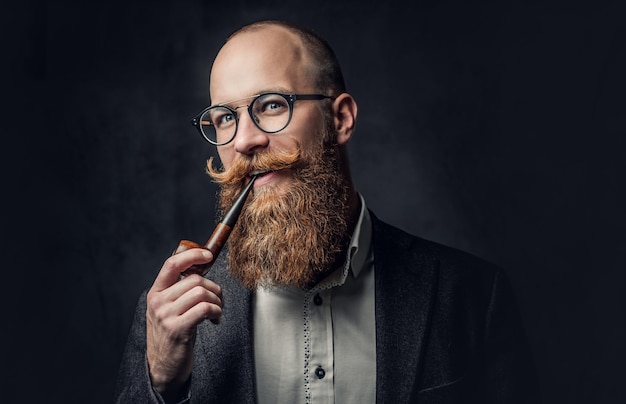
<point x="447" y="331"/>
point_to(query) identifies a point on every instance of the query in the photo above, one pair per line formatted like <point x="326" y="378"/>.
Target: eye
<point x="270" y="104"/>
<point x="222" y="117"/>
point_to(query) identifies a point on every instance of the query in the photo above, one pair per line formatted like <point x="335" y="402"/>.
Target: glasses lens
<point x="218" y="124"/>
<point x="271" y="112"/>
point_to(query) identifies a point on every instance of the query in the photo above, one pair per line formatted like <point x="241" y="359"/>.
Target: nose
<point x="249" y="138"/>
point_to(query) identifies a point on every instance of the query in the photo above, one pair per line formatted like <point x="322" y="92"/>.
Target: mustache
<point x="268" y="160"/>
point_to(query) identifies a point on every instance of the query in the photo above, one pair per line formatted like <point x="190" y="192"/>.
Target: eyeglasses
<point x="270" y="112"/>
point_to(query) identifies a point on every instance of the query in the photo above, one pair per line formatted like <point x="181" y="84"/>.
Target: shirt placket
<point x="319" y="354"/>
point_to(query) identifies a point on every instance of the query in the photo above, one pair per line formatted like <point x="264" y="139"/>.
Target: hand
<point x="174" y="309"/>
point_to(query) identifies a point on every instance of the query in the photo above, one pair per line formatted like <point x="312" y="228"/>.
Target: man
<point x="315" y="299"/>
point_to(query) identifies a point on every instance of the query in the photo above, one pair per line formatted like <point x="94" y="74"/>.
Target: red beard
<point x="290" y="236"/>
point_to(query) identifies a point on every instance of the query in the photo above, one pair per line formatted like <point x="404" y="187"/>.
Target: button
<point x="317" y="300"/>
<point x="320" y="372"/>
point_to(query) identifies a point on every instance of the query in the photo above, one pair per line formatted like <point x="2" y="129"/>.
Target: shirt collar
<point x="361" y="241"/>
<point x="359" y="251"/>
<point x="358" y="257"/>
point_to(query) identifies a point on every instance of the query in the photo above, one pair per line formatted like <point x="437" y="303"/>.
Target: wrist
<point x="172" y="391"/>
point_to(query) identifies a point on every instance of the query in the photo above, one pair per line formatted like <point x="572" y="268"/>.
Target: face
<point x="294" y="226"/>
<point x="269" y="59"/>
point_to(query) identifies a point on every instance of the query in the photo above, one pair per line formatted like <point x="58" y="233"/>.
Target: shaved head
<point x="327" y="74"/>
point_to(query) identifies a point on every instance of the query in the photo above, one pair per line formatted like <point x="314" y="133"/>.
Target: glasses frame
<point x="290" y="98"/>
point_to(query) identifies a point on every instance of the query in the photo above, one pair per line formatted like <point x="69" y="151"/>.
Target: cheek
<point x="307" y="131"/>
<point x="226" y="156"/>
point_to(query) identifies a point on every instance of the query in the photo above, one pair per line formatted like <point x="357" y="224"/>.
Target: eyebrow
<point x="282" y="90"/>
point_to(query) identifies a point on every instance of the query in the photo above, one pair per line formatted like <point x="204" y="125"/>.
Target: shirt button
<point x="320" y="372"/>
<point x="317" y="300"/>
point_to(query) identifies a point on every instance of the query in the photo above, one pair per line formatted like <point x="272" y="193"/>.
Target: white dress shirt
<point x="319" y="345"/>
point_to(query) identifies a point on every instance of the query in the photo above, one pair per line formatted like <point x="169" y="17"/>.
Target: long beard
<point x="290" y="236"/>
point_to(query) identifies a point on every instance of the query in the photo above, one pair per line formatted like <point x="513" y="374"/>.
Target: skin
<point x="270" y="59"/>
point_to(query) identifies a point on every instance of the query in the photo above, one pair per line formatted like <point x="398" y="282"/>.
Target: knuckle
<point x="217" y="289"/>
<point x="196" y="280"/>
<point x="213" y="287"/>
<point x="160" y="315"/>
<point x="199" y="293"/>
<point x="153" y="300"/>
<point x="170" y="264"/>
<point x="169" y="326"/>
<point x="209" y="310"/>
<point x="204" y="308"/>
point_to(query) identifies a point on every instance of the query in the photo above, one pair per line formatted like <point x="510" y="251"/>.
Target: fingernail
<point x="207" y="254"/>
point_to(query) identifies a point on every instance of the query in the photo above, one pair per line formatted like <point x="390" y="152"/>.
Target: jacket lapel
<point x="406" y="276"/>
<point x="230" y="343"/>
<point x="405" y="282"/>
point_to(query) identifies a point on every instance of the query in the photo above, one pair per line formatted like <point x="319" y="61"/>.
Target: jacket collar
<point x="406" y="277"/>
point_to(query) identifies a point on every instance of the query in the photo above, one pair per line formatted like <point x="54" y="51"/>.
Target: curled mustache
<point x="269" y="160"/>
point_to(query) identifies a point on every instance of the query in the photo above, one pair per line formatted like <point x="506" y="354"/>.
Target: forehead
<point x="269" y="58"/>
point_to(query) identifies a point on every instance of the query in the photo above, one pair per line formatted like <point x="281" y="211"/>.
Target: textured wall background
<point x="494" y="127"/>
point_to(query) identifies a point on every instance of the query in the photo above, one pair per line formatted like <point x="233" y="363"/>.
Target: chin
<point x="270" y="192"/>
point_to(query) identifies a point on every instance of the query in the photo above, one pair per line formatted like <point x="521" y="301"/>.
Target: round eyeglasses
<point x="270" y="112"/>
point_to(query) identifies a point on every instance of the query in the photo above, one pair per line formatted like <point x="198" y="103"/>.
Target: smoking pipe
<point x="219" y="236"/>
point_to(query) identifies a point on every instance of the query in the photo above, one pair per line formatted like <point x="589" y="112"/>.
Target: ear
<point x="344" y="115"/>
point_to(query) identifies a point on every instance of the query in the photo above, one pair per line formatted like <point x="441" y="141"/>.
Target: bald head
<point x="287" y="48"/>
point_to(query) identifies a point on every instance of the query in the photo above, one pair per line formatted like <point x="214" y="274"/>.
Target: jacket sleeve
<point x="133" y="382"/>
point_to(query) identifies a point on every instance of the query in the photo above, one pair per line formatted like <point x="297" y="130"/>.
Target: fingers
<point x="199" y="294"/>
<point x="200" y="311"/>
<point x="177" y="290"/>
<point x="184" y="303"/>
<point x="183" y="296"/>
<point x="181" y="316"/>
<point x="174" y="265"/>
<point x="174" y="308"/>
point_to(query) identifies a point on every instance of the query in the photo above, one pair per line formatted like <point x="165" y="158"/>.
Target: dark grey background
<point x="494" y="127"/>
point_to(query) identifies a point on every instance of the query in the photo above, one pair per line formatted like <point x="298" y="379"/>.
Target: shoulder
<point x="390" y="240"/>
<point x="404" y="256"/>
